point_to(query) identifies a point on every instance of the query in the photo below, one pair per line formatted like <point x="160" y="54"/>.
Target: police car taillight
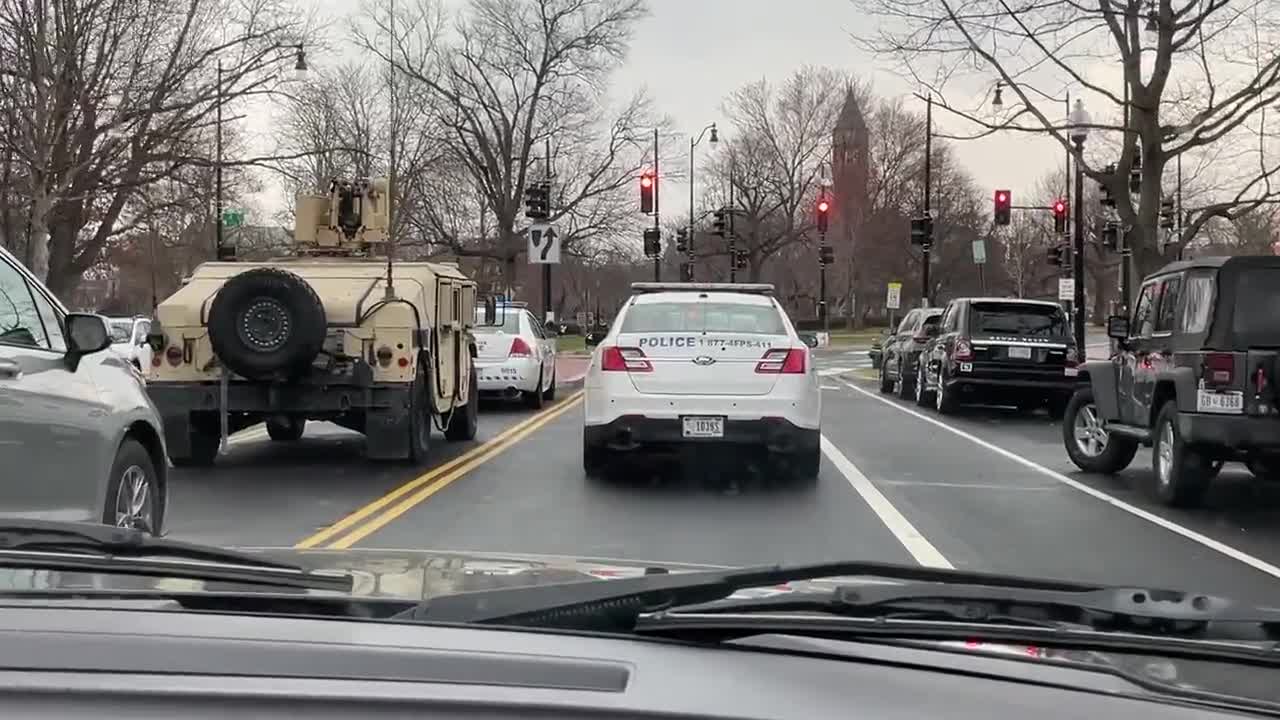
<point x="624" y="359"/>
<point x="520" y="348"/>
<point x="781" y="361"/>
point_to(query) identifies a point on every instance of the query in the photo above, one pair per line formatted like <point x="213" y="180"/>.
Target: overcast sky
<point x="689" y="53"/>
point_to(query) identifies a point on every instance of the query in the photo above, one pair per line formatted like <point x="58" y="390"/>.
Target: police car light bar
<point x="752" y="288"/>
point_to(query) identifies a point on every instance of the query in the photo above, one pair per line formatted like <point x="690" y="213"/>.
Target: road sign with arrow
<point x="544" y="244"/>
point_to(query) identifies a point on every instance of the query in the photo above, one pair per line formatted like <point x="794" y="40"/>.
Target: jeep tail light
<point x="174" y="355"/>
<point x="624" y="359"/>
<point x="963" y="350"/>
<point x="520" y="348"/>
<point x="782" y="361"/>
<point x="1219" y="368"/>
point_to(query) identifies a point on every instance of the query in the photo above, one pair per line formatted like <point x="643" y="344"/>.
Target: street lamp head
<point x="997" y="102"/>
<point x="1078" y="121"/>
<point x="715" y="137"/>
<point x="300" y="69"/>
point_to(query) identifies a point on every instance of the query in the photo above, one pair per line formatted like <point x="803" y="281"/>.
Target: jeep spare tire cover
<point x="266" y="322"/>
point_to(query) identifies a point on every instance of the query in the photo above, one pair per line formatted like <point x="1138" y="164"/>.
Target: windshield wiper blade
<point x="86" y="547"/>
<point x="615" y="605"/>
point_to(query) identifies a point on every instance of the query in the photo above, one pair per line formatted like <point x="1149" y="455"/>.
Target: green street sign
<point x="232" y="218"/>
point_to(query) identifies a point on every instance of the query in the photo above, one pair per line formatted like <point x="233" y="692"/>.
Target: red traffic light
<point x="823" y="206"/>
<point x="1059" y="207"/>
<point x="646" y="181"/>
<point x="1001" y="197"/>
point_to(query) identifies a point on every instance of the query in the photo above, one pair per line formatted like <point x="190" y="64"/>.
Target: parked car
<point x="129" y="338"/>
<point x="901" y="351"/>
<point x="999" y="351"/>
<point x="1196" y="377"/>
<point x="81" y="440"/>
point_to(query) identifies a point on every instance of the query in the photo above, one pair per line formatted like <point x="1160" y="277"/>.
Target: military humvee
<point x="333" y="332"/>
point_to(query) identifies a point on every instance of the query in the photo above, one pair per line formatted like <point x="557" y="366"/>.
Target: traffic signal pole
<point x="1077" y="255"/>
<point x="657" y="259"/>
<point x="928" y="168"/>
<point x="546" y="267"/>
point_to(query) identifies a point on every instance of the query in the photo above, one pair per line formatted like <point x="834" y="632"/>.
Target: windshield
<point x="1018" y="319"/>
<point x="776" y="284"/>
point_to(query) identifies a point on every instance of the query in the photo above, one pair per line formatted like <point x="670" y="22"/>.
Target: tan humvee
<point x="334" y="332"/>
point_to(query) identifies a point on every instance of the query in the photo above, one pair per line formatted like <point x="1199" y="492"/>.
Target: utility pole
<point x="217" y="167"/>
<point x="657" y="259"/>
<point x="546" y="267"/>
<point x="733" y="245"/>
<point x="1079" y="121"/>
<point x="928" y="170"/>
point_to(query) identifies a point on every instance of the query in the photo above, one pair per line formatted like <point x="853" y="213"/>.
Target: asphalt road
<point x="988" y="489"/>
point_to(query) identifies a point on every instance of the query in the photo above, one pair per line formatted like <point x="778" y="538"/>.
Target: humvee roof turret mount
<point x="335" y="332"/>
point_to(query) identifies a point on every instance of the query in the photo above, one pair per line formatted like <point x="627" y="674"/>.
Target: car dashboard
<point x="157" y="662"/>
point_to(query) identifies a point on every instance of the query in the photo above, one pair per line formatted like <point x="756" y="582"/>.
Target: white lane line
<point x="828" y="372"/>
<point x="920" y="548"/>
<point x="968" y="486"/>
<point x="1173" y="527"/>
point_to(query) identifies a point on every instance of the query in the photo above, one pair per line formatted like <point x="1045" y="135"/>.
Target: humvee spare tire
<point x="266" y="322"/>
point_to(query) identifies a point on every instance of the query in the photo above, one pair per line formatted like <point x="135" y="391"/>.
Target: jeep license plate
<point x="703" y="427"/>
<point x="1208" y="401"/>
<point x="1020" y="353"/>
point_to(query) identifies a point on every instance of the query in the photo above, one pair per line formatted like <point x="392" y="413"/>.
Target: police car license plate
<point x="1219" y="402"/>
<point x="703" y="427"/>
<point x="1021" y="353"/>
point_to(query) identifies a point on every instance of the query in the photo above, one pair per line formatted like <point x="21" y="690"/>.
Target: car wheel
<point x="943" y="399"/>
<point x="550" y="394"/>
<point x="204" y="450"/>
<point x="420" y="418"/>
<point x="287" y="429"/>
<point x="465" y="421"/>
<point x="133" y="492"/>
<point x="1181" y="475"/>
<point x="805" y="465"/>
<point x="923" y="397"/>
<point x="535" y="399"/>
<point x="1088" y="444"/>
<point x="904" y="387"/>
<point x="886" y="384"/>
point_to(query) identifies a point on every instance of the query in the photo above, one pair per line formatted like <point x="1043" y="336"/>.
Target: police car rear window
<point x="703" y="317"/>
<point x="507" y="321"/>
<point x="1018" y="319"/>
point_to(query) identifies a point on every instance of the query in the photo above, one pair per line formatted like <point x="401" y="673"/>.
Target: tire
<point x="886" y="385"/>
<point x="204" y="450"/>
<point x="1096" y="450"/>
<point x="805" y="465"/>
<point x="1181" y="475"/>
<point x="289" y="431"/>
<point x="595" y="459"/>
<point x="550" y="394"/>
<point x="923" y="396"/>
<point x="904" y="385"/>
<point x="466" y="419"/>
<point x="420" y="418"/>
<point x="134" y="495"/>
<point x="943" y="400"/>
<point x="535" y="399"/>
<point x="266" y="323"/>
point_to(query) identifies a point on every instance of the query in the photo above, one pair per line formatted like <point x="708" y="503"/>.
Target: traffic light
<point x="1104" y="192"/>
<point x="824" y="213"/>
<point x="652" y="242"/>
<point x="1060" y="216"/>
<point x="537" y="200"/>
<point x="717" y="224"/>
<point x="1004" y="201"/>
<point x="686" y="272"/>
<point x="740" y="259"/>
<point x="1058" y="255"/>
<point x="648" y="184"/>
<point x="682" y="240"/>
<point x="922" y="230"/>
<point x="1111" y="235"/>
<point x="826" y="256"/>
<point x="1135" y="173"/>
<point x="1167" y="215"/>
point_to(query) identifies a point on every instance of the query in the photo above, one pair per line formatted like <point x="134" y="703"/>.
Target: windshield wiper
<point x="90" y="548"/>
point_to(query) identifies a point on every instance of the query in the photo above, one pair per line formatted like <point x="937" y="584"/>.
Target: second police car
<point x="516" y="356"/>
<point x="690" y="364"/>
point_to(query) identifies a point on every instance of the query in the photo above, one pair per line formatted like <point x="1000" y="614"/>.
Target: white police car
<point x="515" y="356"/>
<point x="703" y="363"/>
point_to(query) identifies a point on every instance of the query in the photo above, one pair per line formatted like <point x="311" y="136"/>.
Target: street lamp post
<point x="300" y="72"/>
<point x="1078" y="121"/>
<point x="693" y="143"/>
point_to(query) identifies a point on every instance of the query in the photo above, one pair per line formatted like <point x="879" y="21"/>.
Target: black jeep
<point x="1194" y="377"/>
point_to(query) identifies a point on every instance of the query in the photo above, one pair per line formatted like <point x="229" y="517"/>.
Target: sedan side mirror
<point x="86" y="334"/>
<point x="490" y="310"/>
<point x="810" y="339"/>
<point x="1118" y="327"/>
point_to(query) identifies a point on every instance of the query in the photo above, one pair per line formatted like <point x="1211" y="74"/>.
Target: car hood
<point x="420" y="575"/>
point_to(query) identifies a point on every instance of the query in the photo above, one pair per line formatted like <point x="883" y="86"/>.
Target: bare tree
<point x="1196" y="77"/>
<point x="511" y="79"/>
<point x="106" y="97"/>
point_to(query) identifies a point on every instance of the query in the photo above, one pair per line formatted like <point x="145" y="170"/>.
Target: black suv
<point x="1194" y="377"/>
<point x="901" y="351"/>
<point x="999" y="351"/>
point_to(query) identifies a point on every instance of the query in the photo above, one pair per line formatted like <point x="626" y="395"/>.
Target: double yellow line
<point x="377" y="514"/>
